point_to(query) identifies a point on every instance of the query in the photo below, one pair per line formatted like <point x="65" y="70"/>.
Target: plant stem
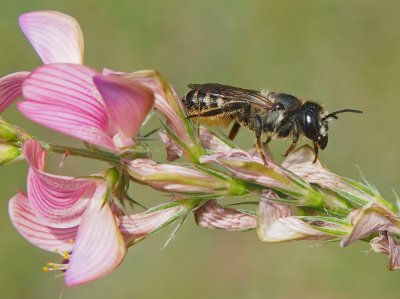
<point x="81" y="152"/>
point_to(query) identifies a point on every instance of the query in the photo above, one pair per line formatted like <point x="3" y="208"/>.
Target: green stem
<point x="81" y="152"/>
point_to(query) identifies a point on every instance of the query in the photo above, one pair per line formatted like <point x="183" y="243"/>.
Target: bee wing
<point x="234" y="94"/>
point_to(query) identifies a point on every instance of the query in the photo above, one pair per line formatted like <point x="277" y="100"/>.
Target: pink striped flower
<point x="212" y="215"/>
<point x="64" y="95"/>
<point x="106" y="111"/>
<point x="75" y="218"/>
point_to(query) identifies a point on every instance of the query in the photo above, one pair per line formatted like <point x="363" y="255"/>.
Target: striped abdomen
<point x="196" y="101"/>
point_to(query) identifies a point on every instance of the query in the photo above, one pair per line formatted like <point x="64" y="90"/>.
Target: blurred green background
<point x="345" y="54"/>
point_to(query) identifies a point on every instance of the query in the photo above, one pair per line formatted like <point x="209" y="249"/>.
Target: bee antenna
<point x="333" y="114"/>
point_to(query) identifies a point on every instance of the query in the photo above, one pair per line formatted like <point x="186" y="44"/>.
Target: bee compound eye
<point x="311" y="125"/>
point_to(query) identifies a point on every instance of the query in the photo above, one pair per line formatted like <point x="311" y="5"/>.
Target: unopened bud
<point x="9" y="153"/>
<point x="175" y="178"/>
<point x="111" y="176"/>
<point x="8" y="132"/>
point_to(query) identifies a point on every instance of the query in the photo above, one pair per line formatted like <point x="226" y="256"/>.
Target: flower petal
<point x="380" y="244"/>
<point x="388" y="245"/>
<point x="211" y="142"/>
<point x="276" y="223"/>
<point x="63" y="97"/>
<point x="136" y="227"/>
<point x="35" y="231"/>
<point x="99" y="246"/>
<point x="301" y="163"/>
<point x="247" y="167"/>
<point x="213" y="216"/>
<point x="166" y="99"/>
<point x="56" y="37"/>
<point x="57" y="200"/>
<point x="128" y="103"/>
<point x="11" y="88"/>
<point x="174" y="151"/>
<point x="369" y="219"/>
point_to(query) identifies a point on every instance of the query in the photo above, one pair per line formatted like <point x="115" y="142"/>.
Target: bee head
<point x="314" y="123"/>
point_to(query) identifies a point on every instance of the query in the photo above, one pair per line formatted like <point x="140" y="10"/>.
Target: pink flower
<point x="74" y="217"/>
<point x="102" y="110"/>
<point x="106" y="111"/>
<point x="62" y="214"/>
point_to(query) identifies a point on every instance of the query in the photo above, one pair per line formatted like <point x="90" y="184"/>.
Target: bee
<point x="277" y="114"/>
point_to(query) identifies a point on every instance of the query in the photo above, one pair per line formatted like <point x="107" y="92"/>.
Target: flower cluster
<point x="86" y="219"/>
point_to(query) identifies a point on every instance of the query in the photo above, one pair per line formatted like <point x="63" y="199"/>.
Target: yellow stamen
<point x="65" y="255"/>
<point x="54" y="266"/>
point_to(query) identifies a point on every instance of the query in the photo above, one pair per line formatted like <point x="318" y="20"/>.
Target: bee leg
<point x="209" y="112"/>
<point x="258" y="128"/>
<point x="315" y="152"/>
<point x="260" y="150"/>
<point x="234" y="131"/>
<point x="269" y="138"/>
<point x="296" y="134"/>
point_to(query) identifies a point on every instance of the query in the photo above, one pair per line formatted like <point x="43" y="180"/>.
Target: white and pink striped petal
<point x="247" y="167"/>
<point x="166" y="99"/>
<point x="127" y="103"/>
<point x="58" y="201"/>
<point x="138" y="226"/>
<point x="11" y="88"/>
<point x="99" y="246"/>
<point x="35" y="231"/>
<point x="276" y="223"/>
<point x="55" y="36"/>
<point x="63" y="97"/>
<point x="211" y="215"/>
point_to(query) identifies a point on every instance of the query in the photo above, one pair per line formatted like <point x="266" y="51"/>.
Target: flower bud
<point x="8" y="132"/>
<point x="9" y="153"/>
<point x="176" y="179"/>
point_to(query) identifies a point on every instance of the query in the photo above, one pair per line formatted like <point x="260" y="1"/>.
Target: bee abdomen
<point x="197" y="101"/>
